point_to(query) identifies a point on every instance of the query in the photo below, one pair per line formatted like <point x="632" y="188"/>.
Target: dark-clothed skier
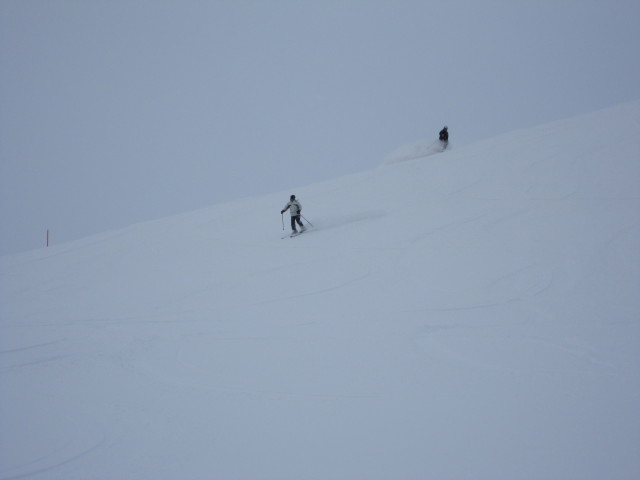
<point x="295" y="208"/>
<point x="443" y="136"/>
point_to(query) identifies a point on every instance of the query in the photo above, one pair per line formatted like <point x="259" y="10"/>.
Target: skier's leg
<point x="299" y="221"/>
<point x="293" y="223"/>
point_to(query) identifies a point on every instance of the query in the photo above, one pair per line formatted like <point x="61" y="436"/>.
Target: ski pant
<point x="295" y="219"/>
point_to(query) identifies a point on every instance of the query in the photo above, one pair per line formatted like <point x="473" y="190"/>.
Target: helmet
<point x="445" y="127"/>
<point x="292" y="197"/>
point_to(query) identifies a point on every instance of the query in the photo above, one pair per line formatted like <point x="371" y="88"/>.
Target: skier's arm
<point x="285" y="209"/>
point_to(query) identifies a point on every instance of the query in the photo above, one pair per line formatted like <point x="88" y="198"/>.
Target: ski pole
<point x="282" y="216"/>
<point x="307" y="220"/>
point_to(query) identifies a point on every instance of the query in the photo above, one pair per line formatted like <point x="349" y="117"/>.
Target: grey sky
<point x="114" y="112"/>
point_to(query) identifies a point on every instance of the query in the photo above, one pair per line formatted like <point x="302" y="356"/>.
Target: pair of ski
<point x="295" y="234"/>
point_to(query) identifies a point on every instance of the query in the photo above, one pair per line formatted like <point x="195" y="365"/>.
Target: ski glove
<point x="281" y="212"/>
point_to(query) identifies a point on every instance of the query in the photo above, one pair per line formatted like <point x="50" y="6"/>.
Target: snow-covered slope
<point x="468" y="315"/>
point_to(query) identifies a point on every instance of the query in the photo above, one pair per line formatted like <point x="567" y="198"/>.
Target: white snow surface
<point x="468" y="315"/>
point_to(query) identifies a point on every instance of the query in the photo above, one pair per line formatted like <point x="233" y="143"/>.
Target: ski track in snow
<point x="313" y="292"/>
<point x="74" y="440"/>
<point x="50" y="462"/>
<point x="31" y="347"/>
<point x="186" y="374"/>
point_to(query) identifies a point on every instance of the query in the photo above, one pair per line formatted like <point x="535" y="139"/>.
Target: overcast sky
<point x="119" y="111"/>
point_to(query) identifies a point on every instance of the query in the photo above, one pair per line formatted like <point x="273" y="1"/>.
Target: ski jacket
<point x="444" y="135"/>
<point x="294" y="207"/>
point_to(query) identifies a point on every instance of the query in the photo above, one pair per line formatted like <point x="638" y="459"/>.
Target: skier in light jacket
<point x="296" y="210"/>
